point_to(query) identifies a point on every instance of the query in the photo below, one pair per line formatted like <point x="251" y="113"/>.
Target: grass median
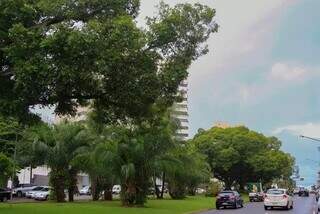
<point x="167" y="206"/>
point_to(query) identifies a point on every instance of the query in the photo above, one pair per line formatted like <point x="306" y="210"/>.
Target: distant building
<point x="40" y="177"/>
<point x="180" y="112"/>
<point x="225" y="125"/>
<point x="80" y="116"/>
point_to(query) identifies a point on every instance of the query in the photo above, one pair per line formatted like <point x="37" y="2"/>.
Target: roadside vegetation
<point x="166" y="206"/>
<point x="238" y="155"/>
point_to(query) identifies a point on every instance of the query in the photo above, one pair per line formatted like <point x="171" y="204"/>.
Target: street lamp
<point x="313" y="139"/>
<point x="310" y="138"/>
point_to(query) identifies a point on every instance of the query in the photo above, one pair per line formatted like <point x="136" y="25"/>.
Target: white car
<point x="86" y="190"/>
<point x="21" y="189"/>
<point x="116" y="189"/>
<point x="31" y="194"/>
<point x="43" y="194"/>
<point x="200" y="190"/>
<point x="275" y="198"/>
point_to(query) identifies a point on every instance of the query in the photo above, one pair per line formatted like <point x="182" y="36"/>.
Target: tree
<point x="10" y="131"/>
<point x="10" y="135"/>
<point x="132" y="152"/>
<point x="190" y="170"/>
<point x="62" y="144"/>
<point x="68" y="53"/>
<point x="99" y="160"/>
<point x="238" y="155"/>
<point x="6" y="169"/>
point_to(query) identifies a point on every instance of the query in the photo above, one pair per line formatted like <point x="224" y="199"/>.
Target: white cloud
<point x="307" y="129"/>
<point x="245" y="26"/>
<point x="282" y="71"/>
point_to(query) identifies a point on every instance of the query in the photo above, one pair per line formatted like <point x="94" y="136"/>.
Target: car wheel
<point x="47" y="197"/>
<point x="235" y="206"/>
<point x="287" y="207"/>
<point x="266" y="207"/>
<point x="241" y="205"/>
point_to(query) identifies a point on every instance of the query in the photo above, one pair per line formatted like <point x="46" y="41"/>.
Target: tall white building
<point x="180" y="112"/>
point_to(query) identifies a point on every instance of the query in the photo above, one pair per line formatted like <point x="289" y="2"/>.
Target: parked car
<point x="5" y="195"/>
<point x="116" y="189"/>
<point x="256" y="196"/>
<point x="21" y="189"/>
<point x="278" y="198"/>
<point x="86" y="190"/>
<point x="229" y="199"/>
<point x="31" y="194"/>
<point x="303" y="192"/>
<point x="317" y="194"/>
<point x="43" y="194"/>
<point x="200" y="191"/>
<point x="296" y="191"/>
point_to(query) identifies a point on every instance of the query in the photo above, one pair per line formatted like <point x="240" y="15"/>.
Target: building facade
<point x="180" y="112"/>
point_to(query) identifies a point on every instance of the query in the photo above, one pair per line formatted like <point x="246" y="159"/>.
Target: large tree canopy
<point x="66" y="53"/>
<point x="238" y="155"/>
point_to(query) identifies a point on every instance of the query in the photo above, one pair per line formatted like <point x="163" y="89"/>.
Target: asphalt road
<point x="302" y="205"/>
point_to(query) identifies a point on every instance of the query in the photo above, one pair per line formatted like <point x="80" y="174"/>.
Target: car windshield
<point x="37" y="188"/>
<point x="226" y="194"/>
<point x="275" y="192"/>
<point x="45" y="189"/>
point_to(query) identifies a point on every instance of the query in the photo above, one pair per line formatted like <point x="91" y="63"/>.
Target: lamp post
<point x="313" y="139"/>
<point x="310" y="138"/>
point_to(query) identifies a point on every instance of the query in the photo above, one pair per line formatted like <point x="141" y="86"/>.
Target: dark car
<point x="303" y="192"/>
<point x="229" y="199"/>
<point x="5" y="195"/>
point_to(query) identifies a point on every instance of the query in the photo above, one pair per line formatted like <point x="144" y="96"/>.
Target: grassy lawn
<point x="190" y="205"/>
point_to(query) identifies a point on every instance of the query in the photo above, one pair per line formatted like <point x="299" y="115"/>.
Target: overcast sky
<point x="263" y="70"/>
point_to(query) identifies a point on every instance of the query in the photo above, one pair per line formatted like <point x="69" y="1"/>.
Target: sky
<point x="263" y="71"/>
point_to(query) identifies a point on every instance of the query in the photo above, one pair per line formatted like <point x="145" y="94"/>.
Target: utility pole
<point x="317" y="140"/>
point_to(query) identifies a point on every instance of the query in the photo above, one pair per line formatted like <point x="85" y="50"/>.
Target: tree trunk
<point x="59" y="189"/>
<point x="108" y="194"/>
<point x="71" y="194"/>
<point x="228" y="184"/>
<point x="31" y="180"/>
<point x="72" y="184"/>
<point x="163" y="183"/>
<point x="94" y="189"/>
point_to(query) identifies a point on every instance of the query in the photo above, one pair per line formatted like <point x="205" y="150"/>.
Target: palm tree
<point x="61" y="145"/>
<point x="190" y="170"/>
<point x="98" y="162"/>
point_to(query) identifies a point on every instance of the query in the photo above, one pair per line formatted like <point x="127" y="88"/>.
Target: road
<point x="302" y="205"/>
